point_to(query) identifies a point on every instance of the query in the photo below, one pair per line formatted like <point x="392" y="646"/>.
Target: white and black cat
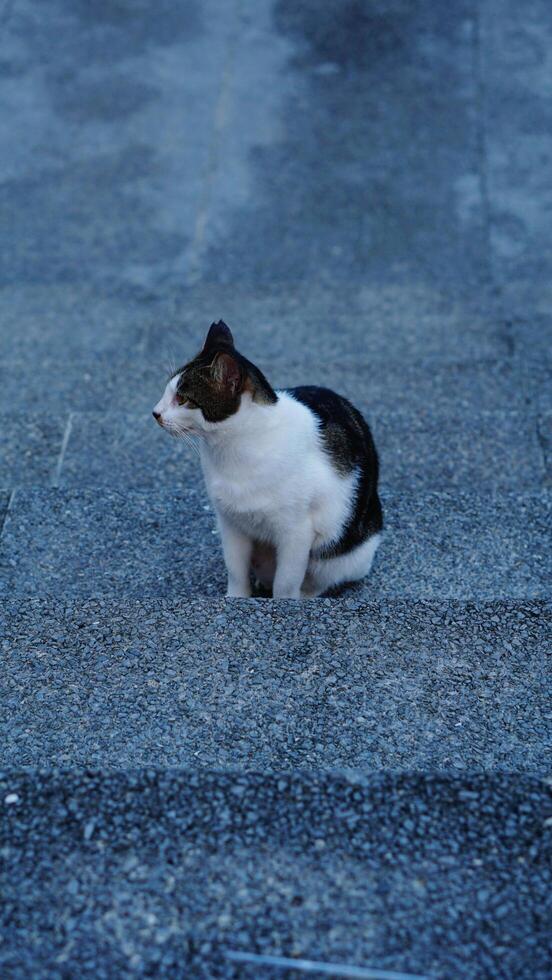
<point x="292" y="474"/>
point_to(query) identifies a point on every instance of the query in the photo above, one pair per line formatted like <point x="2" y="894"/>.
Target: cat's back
<point x="346" y="434"/>
<point x="349" y="447"/>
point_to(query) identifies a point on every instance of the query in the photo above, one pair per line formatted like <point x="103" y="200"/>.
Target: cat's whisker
<point x="169" y="362"/>
<point x="169" y="366"/>
<point x="192" y="444"/>
<point x="185" y="434"/>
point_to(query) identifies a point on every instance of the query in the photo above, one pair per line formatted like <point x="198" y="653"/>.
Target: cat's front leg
<point x="237" y="548"/>
<point x="292" y="558"/>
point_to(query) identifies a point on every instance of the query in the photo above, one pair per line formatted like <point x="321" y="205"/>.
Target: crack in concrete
<point x="59" y="465"/>
<point x="543" y="447"/>
<point x="6" y="512"/>
<point x="318" y="966"/>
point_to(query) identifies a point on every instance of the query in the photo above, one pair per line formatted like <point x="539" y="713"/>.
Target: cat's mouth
<point x="170" y="427"/>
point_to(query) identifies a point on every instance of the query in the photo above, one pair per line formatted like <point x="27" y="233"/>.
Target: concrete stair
<point x="362" y="192"/>
<point x="393" y="685"/>
<point x="163" y="872"/>
<point x="89" y="542"/>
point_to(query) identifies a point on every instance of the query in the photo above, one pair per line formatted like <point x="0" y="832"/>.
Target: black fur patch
<point x="350" y="446"/>
<point x="198" y="379"/>
<point x="219" y="333"/>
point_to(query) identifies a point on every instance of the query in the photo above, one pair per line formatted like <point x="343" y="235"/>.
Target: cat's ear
<point x="219" y="333"/>
<point x="226" y="372"/>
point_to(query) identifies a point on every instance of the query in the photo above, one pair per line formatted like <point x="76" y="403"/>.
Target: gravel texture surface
<point x="382" y="201"/>
<point x="69" y="321"/>
<point x="94" y="541"/>
<point x="545" y="437"/>
<point x="97" y="381"/>
<point x="30" y="449"/>
<point x="276" y="686"/>
<point x="362" y="190"/>
<point x="429" y="450"/>
<point x="514" y="75"/>
<point x="4" y="501"/>
<point x="158" y="874"/>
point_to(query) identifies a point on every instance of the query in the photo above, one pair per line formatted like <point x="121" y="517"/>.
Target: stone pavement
<point x="361" y="188"/>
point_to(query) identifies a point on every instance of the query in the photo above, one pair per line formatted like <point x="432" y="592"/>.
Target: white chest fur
<point x="269" y="473"/>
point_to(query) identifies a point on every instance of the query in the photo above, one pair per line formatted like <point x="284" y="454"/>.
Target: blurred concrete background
<point x="361" y="189"/>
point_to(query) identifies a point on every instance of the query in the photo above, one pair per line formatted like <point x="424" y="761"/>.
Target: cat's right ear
<point x="226" y="372"/>
<point x="219" y="333"/>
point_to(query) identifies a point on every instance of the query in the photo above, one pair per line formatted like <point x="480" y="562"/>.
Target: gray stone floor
<point x="161" y="873"/>
<point x="361" y="188"/>
<point x="271" y="686"/>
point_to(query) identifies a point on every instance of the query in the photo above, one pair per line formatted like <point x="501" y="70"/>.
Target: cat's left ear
<point x="219" y="333"/>
<point x="227" y="372"/>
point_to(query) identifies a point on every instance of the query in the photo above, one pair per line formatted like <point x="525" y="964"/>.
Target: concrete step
<point x="270" y="686"/>
<point x="159" y="542"/>
<point x="378" y="322"/>
<point x="517" y="141"/>
<point x="161" y="874"/>
<point x="5" y="496"/>
<point x="387" y="195"/>
<point x="100" y="179"/>
<point x="429" y="450"/>
<point x="393" y="346"/>
<point x="103" y="381"/>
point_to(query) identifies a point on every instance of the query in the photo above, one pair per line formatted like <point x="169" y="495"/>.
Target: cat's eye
<point x="185" y="400"/>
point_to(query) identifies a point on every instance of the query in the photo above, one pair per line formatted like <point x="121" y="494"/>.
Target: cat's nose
<point x="157" y="416"/>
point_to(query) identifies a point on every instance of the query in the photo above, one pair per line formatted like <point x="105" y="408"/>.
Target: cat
<point x="292" y="474"/>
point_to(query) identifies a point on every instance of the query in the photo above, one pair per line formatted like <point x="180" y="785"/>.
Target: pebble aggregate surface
<point x="361" y="189"/>
<point x="148" y="873"/>
<point x="272" y="686"/>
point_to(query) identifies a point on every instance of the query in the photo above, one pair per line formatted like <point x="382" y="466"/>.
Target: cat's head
<point x="211" y="388"/>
